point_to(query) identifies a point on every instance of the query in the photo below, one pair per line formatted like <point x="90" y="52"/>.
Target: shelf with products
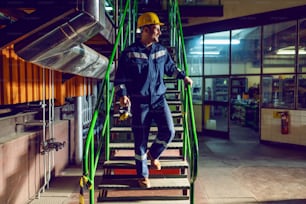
<point x="278" y="92"/>
<point x="220" y="89"/>
<point x="238" y="87"/>
<point x="302" y="93"/>
<point x="245" y="113"/>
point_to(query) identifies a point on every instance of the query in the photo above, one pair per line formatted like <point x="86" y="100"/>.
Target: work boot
<point x="144" y="183"/>
<point x="155" y="164"/>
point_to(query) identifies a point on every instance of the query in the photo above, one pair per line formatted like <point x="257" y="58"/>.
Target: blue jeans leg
<point x="141" y="122"/>
<point x="163" y="118"/>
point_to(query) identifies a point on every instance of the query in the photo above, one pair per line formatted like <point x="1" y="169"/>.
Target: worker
<point x="139" y="84"/>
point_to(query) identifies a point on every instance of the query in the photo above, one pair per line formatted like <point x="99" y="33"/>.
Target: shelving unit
<point x="238" y="86"/>
<point x="278" y="93"/>
<point x="220" y="90"/>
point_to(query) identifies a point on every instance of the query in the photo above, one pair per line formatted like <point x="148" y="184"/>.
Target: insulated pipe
<point x="78" y="124"/>
<point x="96" y="9"/>
<point x="44" y="138"/>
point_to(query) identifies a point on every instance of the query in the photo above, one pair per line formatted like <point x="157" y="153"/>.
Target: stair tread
<point x="128" y="157"/>
<point x="128" y="164"/>
<point x="130" y="145"/>
<point x="152" y="129"/>
<point x="141" y="200"/>
<point x="130" y="183"/>
<point x="170" y="91"/>
<point x="174" y="115"/>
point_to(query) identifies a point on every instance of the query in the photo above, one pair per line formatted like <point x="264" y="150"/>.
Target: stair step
<point x="169" y="101"/>
<point x="173" y="91"/>
<point x="146" y="200"/>
<point x="130" y="145"/>
<point x="174" y="102"/>
<point x="129" y="157"/>
<point x="174" y="115"/>
<point x="152" y="129"/>
<point x="130" y="164"/>
<point x="129" y="182"/>
<point x="170" y="80"/>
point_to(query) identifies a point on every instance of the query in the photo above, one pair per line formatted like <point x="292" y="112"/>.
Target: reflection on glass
<point x="302" y="46"/>
<point x="215" y="117"/>
<point x="216" y="53"/>
<point x="216" y="89"/>
<point x="197" y="90"/>
<point x="278" y="91"/>
<point x="279" y="42"/>
<point x="194" y="50"/>
<point x="246" y="53"/>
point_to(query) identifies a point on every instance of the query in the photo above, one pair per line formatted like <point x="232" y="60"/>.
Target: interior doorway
<point x="244" y="109"/>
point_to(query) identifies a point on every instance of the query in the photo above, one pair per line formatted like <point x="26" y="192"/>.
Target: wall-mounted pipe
<point x="78" y="130"/>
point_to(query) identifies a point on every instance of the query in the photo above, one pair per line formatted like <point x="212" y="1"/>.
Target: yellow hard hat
<point x="148" y="18"/>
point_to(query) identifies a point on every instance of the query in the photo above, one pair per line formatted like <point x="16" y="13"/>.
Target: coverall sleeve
<point x="172" y="70"/>
<point x="121" y="76"/>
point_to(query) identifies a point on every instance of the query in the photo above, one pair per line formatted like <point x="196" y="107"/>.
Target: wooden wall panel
<point x="59" y="89"/>
<point x="14" y="69"/>
<point x="36" y="81"/>
<point x="79" y="84"/>
<point x="22" y="81"/>
<point x="1" y="78"/>
<point x="6" y="77"/>
<point x="29" y="82"/>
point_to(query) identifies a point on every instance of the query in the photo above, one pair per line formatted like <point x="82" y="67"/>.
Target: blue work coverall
<point x="140" y="76"/>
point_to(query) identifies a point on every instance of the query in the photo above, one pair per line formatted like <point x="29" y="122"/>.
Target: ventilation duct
<point x="62" y="48"/>
<point x="54" y="37"/>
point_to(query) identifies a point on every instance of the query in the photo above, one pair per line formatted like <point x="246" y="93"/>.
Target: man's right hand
<point x="125" y="101"/>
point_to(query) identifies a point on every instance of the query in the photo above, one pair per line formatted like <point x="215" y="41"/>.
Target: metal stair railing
<point x="191" y="147"/>
<point x="105" y="97"/>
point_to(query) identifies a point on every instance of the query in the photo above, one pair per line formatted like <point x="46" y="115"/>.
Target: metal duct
<point x="53" y="37"/>
<point x="61" y="48"/>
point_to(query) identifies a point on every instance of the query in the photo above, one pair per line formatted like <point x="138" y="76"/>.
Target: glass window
<point x="278" y="91"/>
<point x="302" y="91"/>
<point x="215" y="117"/>
<point x="244" y="107"/>
<point x="246" y="51"/>
<point x="216" y="89"/>
<point x="197" y="90"/>
<point x="245" y="88"/>
<point x="279" y="41"/>
<point x="216" y="53"/>
<point x="302" y="46"/>
<point x="194" y="50"/>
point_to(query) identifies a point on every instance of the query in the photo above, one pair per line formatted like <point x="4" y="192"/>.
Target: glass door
<point x="216" y="103"/>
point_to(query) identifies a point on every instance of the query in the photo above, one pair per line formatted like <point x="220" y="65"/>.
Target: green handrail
<point x="191" y="147"/>
<point x="90" y="161"/>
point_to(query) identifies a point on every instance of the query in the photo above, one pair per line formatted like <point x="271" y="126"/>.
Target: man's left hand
<point x="188" y="81"/>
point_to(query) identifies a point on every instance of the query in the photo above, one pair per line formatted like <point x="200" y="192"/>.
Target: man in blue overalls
<point x="139" y="84"/>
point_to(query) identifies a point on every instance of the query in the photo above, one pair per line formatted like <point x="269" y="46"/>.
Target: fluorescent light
<point x="287" y="51"/>
<point x="220" y="42"/>
<point x="205" y="53"/>
<point x="108" y="8"/>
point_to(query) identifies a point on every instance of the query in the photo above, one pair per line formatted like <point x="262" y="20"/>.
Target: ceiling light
<point x="108" y="8"/>
<point x="205" y="53"/>
<point x="220" y="42"/>
<point x="290" y="51"/>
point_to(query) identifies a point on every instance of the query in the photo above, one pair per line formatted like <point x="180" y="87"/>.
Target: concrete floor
<point x="237" y="171"/>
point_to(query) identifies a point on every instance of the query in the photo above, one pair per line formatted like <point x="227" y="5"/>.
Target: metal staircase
<point x="170" y="184"/>
<point x="174" y="183"/>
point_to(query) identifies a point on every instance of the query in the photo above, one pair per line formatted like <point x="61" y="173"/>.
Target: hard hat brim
<point x="161" y="24"/>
